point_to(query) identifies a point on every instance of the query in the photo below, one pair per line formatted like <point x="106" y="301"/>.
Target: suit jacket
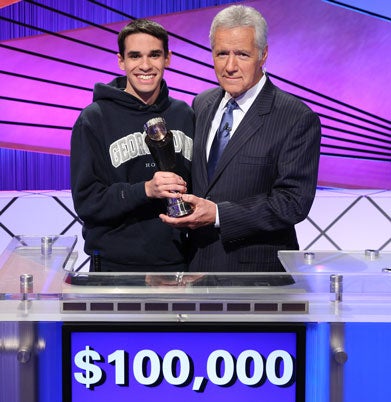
<point x="264" y="183"/>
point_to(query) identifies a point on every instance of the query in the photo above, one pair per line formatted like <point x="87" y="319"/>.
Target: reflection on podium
<point x="199" y="336"/>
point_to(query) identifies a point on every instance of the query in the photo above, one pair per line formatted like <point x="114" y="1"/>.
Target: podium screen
<point x="180" y="362"/>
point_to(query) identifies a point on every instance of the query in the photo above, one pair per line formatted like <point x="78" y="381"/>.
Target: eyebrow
<point x="137" y="52"/>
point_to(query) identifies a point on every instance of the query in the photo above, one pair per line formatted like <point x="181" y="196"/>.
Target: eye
<point x="222" y="54"/>
<point x="156" y="55"/>
<point x="242" y="55"/>
<point x="134" y="56"/>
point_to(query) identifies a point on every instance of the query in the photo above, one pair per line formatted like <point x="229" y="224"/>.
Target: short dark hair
<point x="142" y="25"/>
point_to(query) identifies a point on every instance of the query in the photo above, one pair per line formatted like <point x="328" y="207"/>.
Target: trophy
<point x="161" y="145"/>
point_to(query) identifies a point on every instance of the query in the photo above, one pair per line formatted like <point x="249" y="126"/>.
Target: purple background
<point x="336" y="59"/>
<point x="198" y="345"/>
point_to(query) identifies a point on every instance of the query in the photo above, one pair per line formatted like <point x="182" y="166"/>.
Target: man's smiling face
<point x="144" y="62"/>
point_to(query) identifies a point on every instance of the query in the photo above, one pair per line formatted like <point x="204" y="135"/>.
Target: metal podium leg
<point x="338" y="358"/>
<point x="18" y="362"/>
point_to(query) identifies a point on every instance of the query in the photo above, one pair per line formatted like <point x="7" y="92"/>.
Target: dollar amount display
<point x="176" y="367"/>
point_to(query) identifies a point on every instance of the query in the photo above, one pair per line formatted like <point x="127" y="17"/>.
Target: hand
<point x="165" y="185"/>
<point x="161" y="280"/>
<point x="177" y="280"/>
<point x="204" y="214"/>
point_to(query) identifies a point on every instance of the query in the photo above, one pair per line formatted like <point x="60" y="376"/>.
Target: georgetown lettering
<point x="133" y="146"/>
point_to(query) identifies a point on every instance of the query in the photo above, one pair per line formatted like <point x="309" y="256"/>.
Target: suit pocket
<point x="255" y="160"/>
<point x="259" y="258"/>
<point x="258" y="252"/>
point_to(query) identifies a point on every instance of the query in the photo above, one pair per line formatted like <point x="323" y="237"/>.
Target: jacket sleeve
<point x="96" y="198"/>
<point x="293" y="190"/>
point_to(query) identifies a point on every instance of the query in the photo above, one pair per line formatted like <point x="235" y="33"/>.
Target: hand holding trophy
<point x="161" y="145"/>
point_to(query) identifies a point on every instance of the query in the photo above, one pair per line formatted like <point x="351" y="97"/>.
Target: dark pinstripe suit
<point x="264" y="183"/>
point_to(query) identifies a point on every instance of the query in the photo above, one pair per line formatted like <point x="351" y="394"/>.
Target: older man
<point x="249" y="195"/>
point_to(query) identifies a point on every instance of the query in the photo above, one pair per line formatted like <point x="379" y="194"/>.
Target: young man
<point x="265" y="180"/>
<point x="116" y="188"/>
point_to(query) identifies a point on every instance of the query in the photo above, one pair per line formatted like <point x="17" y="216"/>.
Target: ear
<point x="264" y="55"/>
<point x="168" y="59"/>
<point x="121" y="61"/>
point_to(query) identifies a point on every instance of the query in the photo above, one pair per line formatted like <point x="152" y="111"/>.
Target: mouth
<point x="145" y="77"/>
<point x="231" y="78"/>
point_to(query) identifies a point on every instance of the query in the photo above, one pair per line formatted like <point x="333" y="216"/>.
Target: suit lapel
<point x="250" y="125"/>
<point x="204" y="122"/>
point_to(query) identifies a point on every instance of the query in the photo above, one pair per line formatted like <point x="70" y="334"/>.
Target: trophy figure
<point x="161" y="145"/>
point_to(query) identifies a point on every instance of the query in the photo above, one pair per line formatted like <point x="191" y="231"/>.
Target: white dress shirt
<point x="244" y="102"/>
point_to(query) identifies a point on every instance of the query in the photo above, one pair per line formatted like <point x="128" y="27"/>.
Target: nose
<point x="145" y="63"/>
<point x="231" y="62"/>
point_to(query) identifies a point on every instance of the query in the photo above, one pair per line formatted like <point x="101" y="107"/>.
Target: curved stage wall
<point x="351" y="220"/>
<point x="337" y="60"/>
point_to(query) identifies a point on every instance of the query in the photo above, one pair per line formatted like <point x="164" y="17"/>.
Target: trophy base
<point x="177" y="208"/>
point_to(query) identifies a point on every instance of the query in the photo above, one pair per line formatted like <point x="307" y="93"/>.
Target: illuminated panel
<point x="185" y="362"/>
<point x="374" y="8"/>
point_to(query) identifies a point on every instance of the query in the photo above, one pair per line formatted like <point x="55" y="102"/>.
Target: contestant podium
<point x="318" y="332"/>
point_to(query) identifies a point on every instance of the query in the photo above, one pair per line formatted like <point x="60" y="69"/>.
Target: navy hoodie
<point x="110" y="163"/>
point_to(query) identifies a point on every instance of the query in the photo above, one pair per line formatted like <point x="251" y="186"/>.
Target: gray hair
<point x="241" y="16"/>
